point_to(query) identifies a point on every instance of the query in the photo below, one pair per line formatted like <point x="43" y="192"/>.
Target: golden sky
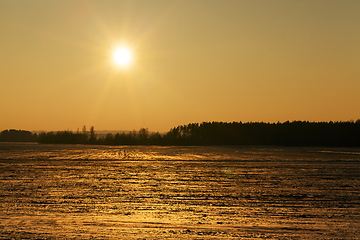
<point x="192" y="61"/>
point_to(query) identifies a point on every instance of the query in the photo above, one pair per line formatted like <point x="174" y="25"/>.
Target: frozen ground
<point x="70" y="191"/>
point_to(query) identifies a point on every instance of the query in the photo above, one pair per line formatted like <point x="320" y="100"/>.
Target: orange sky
<point x="193" y="61"/>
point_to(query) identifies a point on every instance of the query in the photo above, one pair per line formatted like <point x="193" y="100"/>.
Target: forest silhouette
<point x="296" y="133"/>
<point x="13" y="135"/>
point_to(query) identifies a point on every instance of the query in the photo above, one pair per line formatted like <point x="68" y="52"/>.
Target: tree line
<point x="141" y="137"/>
<point x="296" y="133"/>
<point x="14" y="135"/>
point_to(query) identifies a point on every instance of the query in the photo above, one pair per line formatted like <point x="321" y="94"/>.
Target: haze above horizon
<point x="185" y="61"/>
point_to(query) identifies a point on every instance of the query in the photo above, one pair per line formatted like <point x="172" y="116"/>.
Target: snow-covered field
<point x="150" y="192"/>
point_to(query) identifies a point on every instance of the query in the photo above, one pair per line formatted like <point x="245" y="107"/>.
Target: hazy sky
<point x="193" y="61"/>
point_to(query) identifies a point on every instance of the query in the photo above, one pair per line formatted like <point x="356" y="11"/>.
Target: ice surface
<point x="134" y="192"/>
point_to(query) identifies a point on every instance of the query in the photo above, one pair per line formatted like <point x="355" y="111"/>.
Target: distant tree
<point x="109" y="139"/>
<point x="143" y="136"/>
<point x="85" y="134"/>
<point x="92" y="139"/>
<point x="156" y="139"/>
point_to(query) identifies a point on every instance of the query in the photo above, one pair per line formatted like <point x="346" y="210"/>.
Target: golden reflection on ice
<point x="67" y="191"/>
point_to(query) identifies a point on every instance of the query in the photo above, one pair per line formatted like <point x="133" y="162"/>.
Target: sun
<point x="122" y="57"/>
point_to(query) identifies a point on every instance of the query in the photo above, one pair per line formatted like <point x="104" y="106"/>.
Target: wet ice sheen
<point x="76" y="191"/>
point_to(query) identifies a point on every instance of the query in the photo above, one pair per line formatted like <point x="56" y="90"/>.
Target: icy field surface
<point x="149" y="192"/>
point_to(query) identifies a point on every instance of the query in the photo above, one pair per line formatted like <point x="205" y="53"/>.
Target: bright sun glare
<point x="122" y="57"/>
